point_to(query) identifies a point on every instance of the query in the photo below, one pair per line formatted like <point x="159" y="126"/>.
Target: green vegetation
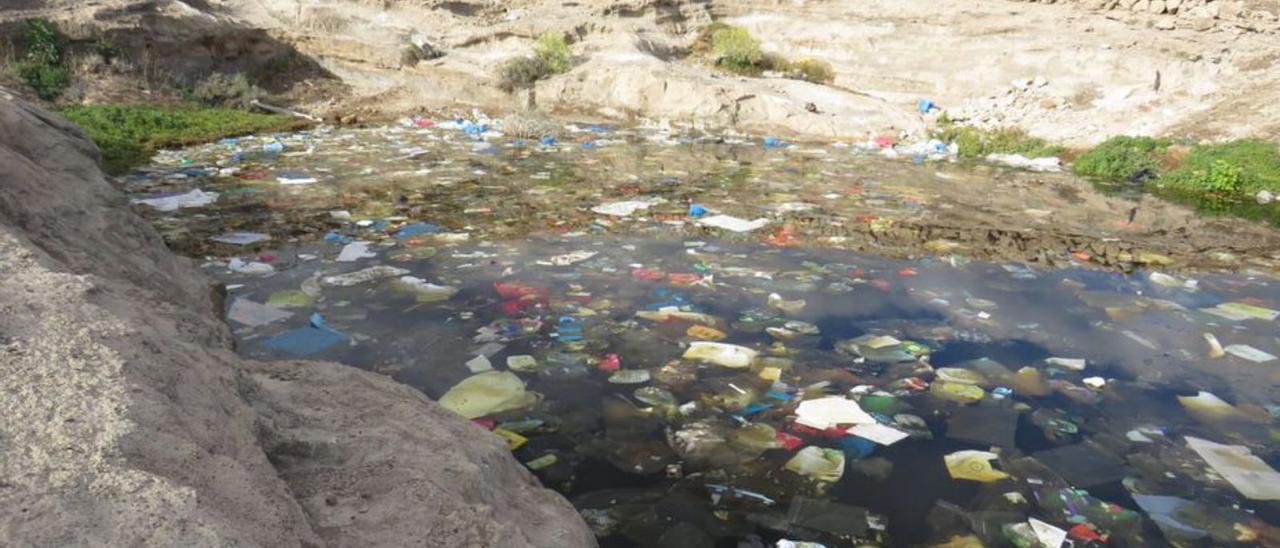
<point x="129" y="134"/>
<point x="553" y="50"/>
<point x="1225" y="178"/>
<point x="551" y="55"/>
<point x="1120" y="158"/>
<point x="978" y="143"/>
<point x="737" y="51"/>
<point x="227" y="91"/>
<point x="1237" y="168"/>
<point x="812" y="70"/>
<point x="1221" y="178"/>
<point x="42" y="67"/>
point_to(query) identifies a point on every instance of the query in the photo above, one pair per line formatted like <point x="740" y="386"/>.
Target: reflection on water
<point x="613" y="446"/>
<point x="655" y="375"/>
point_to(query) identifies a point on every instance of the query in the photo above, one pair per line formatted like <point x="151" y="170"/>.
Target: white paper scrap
<point x="355" y="251"/>
<point x="878" y="433"/>
<point x="195" y="198"/>
<point x="1235" y="463"/>
<point x="733" y="224"/>
<point x="824" y="413"/>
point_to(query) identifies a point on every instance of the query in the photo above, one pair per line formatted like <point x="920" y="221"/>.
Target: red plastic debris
<point x="804" y="430"/>
<point x="907" y="271"/>
<point x="519" y="290"/>
<point x="487" y="424"/>
<point x="611" y="362"/>
<point x="836" y="432"/>
<point x="789" y="442"/>
<point x="1085" y="533"/>
<point x="684" y="278"/>
<point x="515" y="307"/>
<point x="649" y="274"/>
<point x="785" y="236"/>
<point x="885" y="141"/>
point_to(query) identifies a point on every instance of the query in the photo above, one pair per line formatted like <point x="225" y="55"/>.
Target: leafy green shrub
<point x="736" y="50"/>
<point x="553" y="50"/>
<point x="1240" y="167"/>
<point x="44" y="42"/>
<point x="48" y="81"/>
<point x="1224" y="179"/>
<point x="812" y="70"/>
<point x="129" y="134"/>
<point x="978" y="143"/>
<point x="1121" y="157"/>
<point x="228" y="91"/>
<point x="42" y="68"/>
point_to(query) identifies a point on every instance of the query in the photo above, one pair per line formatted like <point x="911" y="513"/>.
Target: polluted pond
<point x="688" y="338"/>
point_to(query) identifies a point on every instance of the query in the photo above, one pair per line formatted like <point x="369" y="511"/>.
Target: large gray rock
<point x="126" y="420"/>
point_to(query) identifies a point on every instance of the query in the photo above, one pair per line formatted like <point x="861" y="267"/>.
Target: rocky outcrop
<point x="128" y="421"/>
<point x="375" y="463"/>
<point x="1199" y="13"/>
<point x="1149" y="67"/>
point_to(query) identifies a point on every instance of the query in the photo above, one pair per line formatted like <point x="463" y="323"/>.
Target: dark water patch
<point x="538" y="274"/>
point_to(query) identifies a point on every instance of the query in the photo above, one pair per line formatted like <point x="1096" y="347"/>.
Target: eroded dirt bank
<point x="129" y="421"/>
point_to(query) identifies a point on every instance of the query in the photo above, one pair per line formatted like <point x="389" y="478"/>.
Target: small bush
<point x="1224" y="179"/>
<point x="1238" y="168"/>
<point x="551" y="55"/>
<point x="42" y="68"/>
<point x="553" y="50"/>
<point x="227" y="91"/>
<point x="44" y="42"/>
<point x="411" y="54"/>
<point x="736" y="50"/>
<point x="978" y="143"/>
<point x="129" y="134"/>
<point x="48" y="81"/>
<point x="812" y="70"/>
<point x="1122" y="157"/>
<point x="521" y="72"/>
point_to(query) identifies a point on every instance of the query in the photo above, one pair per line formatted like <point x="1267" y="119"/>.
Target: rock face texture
<point x="1098" y="60"/>
<point x="126" y="419"/>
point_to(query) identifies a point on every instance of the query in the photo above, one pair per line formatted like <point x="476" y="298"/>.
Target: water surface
<point x="520" y="265"/>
